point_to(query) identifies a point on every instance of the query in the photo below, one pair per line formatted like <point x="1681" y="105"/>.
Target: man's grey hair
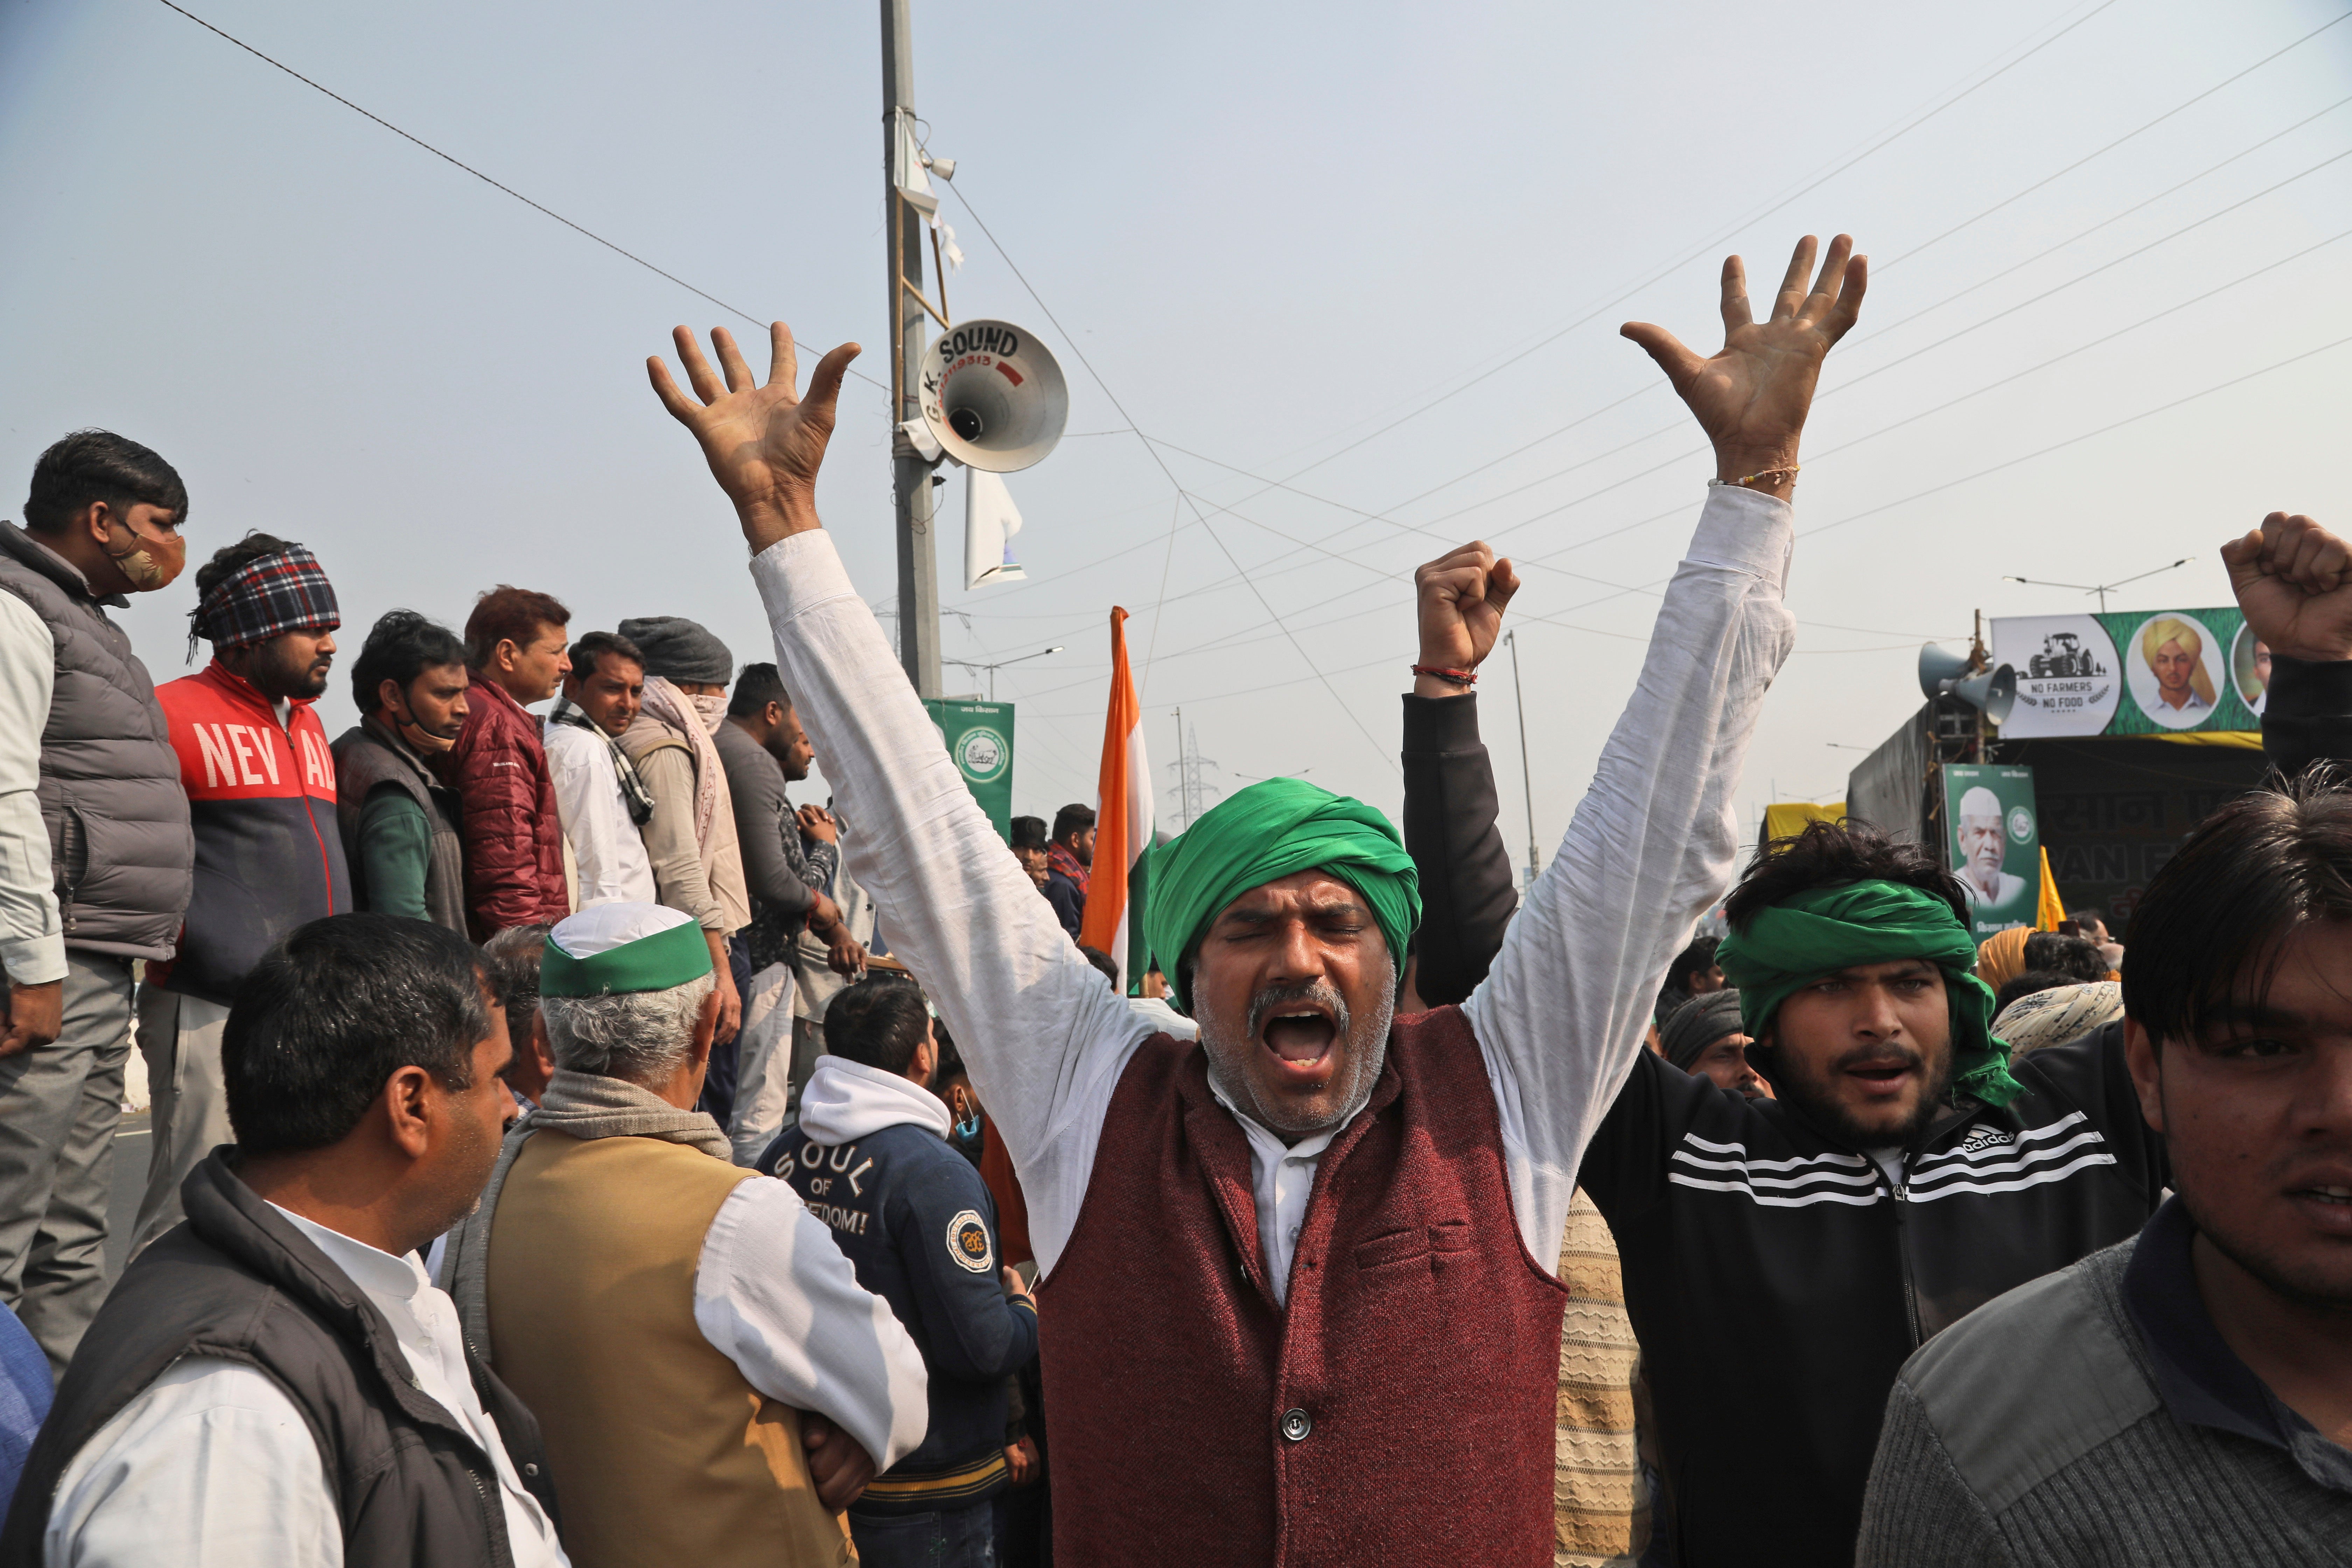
<point x="639" y="1035"/>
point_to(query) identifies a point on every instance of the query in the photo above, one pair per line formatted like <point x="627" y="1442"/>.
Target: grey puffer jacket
<point x="109" y="790"/>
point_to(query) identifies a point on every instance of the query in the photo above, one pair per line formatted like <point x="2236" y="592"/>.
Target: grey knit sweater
<point x="2031" y="1432"/>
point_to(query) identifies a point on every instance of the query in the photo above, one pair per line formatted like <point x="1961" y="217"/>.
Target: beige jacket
<point x="704" y="880"/>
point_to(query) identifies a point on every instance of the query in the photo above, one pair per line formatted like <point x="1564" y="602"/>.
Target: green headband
<point x="1820" y="932"/>
<point x="1260" y="835"/>
<point x="655" y="962"/>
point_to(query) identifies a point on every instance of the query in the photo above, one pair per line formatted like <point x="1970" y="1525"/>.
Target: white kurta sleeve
<point x="1565" y="1005"/>
<point x="775" y="1295"/>
<point x="32" y="935"/>
<point x="210" y="1467"/>
<point x="1041" y="1031"/>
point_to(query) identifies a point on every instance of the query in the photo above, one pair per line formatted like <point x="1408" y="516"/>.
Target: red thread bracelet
<point x="1458" y="676"/>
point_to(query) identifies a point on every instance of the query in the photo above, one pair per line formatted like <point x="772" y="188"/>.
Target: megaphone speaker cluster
<point x="1992" y="692"/>
<point x="992" y="396"/>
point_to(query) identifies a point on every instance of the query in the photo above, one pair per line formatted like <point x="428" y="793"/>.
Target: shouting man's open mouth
<point x="1300" y="1025"/>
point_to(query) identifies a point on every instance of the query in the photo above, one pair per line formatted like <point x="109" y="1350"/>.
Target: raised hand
<point x="764" y="445"/>
<point x="2294" y="581"/>
<point x="1461" y="597"/>
<point x="1752" y="395"/>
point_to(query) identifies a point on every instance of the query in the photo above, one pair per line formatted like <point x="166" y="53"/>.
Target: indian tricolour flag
<point x="1114" y="916"/>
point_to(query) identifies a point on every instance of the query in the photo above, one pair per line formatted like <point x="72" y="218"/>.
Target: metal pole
<point x="918" y="578"/>
<point x="1526" y="781"/>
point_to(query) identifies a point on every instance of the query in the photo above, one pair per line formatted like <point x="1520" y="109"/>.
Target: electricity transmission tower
<point x="1191" y="791"/>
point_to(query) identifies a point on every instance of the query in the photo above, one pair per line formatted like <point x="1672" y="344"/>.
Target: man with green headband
<point x="1299" y="1304"/>
<point x="1782" y="1257"/>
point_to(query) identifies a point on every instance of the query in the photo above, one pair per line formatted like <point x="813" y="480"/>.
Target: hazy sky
<point x="1273" y="230"/>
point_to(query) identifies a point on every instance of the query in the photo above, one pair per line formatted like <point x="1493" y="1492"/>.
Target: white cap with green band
<point x="610" y="949"/>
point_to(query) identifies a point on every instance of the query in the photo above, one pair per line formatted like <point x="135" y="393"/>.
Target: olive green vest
<point x="662" y="1454"/>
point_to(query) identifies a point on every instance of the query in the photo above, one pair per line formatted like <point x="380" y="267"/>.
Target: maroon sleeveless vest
<point x="1399" y="1413"/>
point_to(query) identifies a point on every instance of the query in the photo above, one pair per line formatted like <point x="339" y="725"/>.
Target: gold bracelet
<point x="1789" y="472"/>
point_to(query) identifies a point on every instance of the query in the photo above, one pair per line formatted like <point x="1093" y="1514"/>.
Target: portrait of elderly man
<point x="1983" y="844"/>
<point x="1301" y="1272"/>
<point x="2175" y="653"/>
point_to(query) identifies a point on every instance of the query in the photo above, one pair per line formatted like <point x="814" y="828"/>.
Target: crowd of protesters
<point x="569" y="1149"/>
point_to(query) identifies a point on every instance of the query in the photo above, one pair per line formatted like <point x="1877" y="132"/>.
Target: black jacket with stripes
<point x="1776" y="1277"/>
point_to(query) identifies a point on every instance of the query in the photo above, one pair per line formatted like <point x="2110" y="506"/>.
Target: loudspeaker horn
<point x="1992" y="692"/>
<point x="993" y="397"/>
<point x="1938" y="667"/>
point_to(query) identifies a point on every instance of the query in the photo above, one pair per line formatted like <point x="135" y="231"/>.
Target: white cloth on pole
<point x="990" y="522"/>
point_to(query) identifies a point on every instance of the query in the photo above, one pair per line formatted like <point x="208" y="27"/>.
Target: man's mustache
<point x="1882" y="1056"/>
<point x="1275" y="996"/>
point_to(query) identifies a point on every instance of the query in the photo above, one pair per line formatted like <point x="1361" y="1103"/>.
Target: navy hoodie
<point x="869" y="1155"/>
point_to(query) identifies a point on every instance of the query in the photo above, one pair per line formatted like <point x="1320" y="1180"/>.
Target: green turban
<point x="1263" y="833"/>
<point x="1817" y="932"/>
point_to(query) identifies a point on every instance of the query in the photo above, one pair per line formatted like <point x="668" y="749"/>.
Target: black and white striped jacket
<point x="1777" y="1279"/>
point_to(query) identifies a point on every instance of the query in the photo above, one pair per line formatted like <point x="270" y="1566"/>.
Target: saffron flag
<point x="2048" y="912"/>
<point x="1113" y="921"/>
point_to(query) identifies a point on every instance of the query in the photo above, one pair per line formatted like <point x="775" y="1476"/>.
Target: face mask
<point x="712" y="708"/>
<point x="424" y="740"/>
<point x="141" y="564"/>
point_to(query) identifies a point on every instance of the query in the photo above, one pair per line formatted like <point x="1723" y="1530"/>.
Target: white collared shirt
<point x="32" y="936"/>
<point x="596" y="817"/>
<point x="212" y="1465"/>
<point x="1282" y="1177"/>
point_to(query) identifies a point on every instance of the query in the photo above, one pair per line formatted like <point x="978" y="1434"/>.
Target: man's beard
<point x="795" y="769"/>
<point x="1361" y="1044"/>
<point x="1825" y="1115"/>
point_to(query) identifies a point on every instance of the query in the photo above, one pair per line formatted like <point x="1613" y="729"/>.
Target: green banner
<point x="978" y="737"/>
<point x="1992" y="835"/>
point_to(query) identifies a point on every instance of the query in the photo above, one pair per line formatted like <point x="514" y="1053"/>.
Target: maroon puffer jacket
<point x="514" y="840"/>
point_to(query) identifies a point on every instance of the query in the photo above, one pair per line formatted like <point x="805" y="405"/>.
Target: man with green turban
<point x="1781" y="1257"/>
<point x="1300" y="1299"/>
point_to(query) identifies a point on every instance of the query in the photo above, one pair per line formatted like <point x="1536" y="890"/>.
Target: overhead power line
<point x="2202" y="392"/>
<point x="1272" y="613"/>
<point x="1774" y="205"/>
<point x="2127" y="136"/>
<point x="456" y="163"/>
<point x="1705" y="245"/>
<point x="1675" y="425"/>
<point x="1650" y="386"/>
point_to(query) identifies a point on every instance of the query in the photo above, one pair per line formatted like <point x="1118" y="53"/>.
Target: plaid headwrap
<point x="285" y="592"/>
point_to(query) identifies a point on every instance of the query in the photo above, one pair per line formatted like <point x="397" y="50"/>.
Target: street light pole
<point x="919" y="574"/>
<point x="992" y="668"/>
<point x="1526" y="781"/>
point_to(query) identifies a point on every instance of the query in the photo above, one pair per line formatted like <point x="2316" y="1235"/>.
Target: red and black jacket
<point x="261" y="798"/>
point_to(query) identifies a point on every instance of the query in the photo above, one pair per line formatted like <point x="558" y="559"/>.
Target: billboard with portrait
<point x="2136" y="672"/>
<point x="1992" y="833"/>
